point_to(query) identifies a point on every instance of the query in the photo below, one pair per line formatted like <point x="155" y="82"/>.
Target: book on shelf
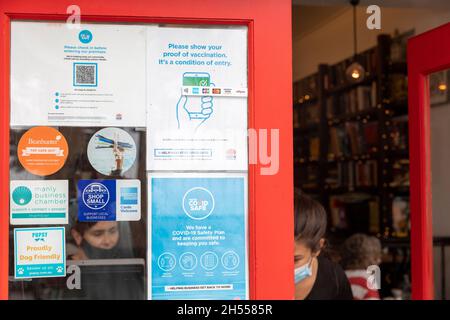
<point x="400" y="217"/>
<point x="398" y="46"/>
<point x="307" y="147"/>
<point x="353" y="139"/>
<point x="308" y="114"/>
<point x="370" y="62"/>
<point x="398" y="87"/>
<point x="399" y="133"/>
<point x="306" y="89"/>
<point x="355" y="212"/>
<point x="371" y="136"/>
<point x="332" y="179"/>
<point x="337" y="213"/>
<point x="359" y="99"/>
<point x="338" y="142"/>
<point x="314" y="148"/>
<point x="352" y="174"/>
<point x="337" y="74"/>
<point x="400" y="173"/>
<point x="366" y="173"/>
<point x="307" y="177"/>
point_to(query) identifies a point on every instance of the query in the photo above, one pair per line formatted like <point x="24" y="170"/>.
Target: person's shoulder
<point x="328" y="264"/>
<point x="338" y="273"/>
<point x="330" y="268"/>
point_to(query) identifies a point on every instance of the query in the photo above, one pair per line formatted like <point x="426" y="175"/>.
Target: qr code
<point x="85" y="74"/>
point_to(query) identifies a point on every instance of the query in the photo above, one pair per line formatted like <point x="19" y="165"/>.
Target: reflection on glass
<point x="105" y="260"/>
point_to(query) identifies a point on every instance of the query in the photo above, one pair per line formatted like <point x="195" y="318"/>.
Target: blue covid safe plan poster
<point x="198" y="243"/>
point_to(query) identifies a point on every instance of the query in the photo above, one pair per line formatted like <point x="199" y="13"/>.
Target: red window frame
<point x="269" y="58"/>
<point x="427" y="53"/>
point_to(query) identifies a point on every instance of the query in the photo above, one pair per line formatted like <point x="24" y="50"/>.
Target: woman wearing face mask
<point x="316" y="277"/>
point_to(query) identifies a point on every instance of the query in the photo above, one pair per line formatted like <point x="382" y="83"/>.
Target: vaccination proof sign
<point x="199" y="243"/>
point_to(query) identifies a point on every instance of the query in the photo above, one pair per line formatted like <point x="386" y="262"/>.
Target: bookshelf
<point x="351" y="145"/>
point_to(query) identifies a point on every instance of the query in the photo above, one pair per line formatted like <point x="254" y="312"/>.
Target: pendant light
<point x="355" y="71"/>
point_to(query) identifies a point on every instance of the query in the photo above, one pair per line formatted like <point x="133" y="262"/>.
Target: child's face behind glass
<point x="103" y="235"/>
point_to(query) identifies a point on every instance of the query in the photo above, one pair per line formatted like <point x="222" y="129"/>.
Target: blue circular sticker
<point x="95" y="196"/>
<point x="198" y="203"/>
<point x="85" y="36"/>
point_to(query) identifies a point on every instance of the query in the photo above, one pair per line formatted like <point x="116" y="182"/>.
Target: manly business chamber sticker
<point x="109" y="200"/>
<point x="39" y="202"/>
<point x="42" y="151"/>
<point x="111" y="151"/>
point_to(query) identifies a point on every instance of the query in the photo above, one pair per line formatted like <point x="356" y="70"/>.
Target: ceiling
<point x="310" y="15"/>
<point x="309" y="18"/>
<point x="382" y="3"/>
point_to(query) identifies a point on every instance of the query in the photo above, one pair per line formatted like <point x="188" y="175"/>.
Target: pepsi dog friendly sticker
<point x="109" y="200"/>
<point x="111" y="151"/>
<point x="39" y="252"/>
<point x="39" y="202"/>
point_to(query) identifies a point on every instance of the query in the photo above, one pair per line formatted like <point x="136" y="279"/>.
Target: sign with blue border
<point x="199" y="249"/>
<point x="39" y="252"/>
<point x="109" y="200"/>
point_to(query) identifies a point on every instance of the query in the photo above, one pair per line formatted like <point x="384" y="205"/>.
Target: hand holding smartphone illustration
<point x="192" y="112"/>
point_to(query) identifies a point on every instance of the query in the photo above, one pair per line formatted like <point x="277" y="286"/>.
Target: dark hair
<point x="360" y="251"/>
<point x="82" y="227"/>
<point x="310" y="221"/>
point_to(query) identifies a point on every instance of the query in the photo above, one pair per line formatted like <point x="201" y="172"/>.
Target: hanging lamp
<point x="355" y="71"/>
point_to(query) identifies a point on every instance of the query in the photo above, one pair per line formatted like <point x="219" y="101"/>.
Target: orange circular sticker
<point x="42" y="150"/>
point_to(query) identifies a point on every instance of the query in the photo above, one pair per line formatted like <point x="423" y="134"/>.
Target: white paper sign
<point x="39" y="202"/>
<point x="94" y="76"/>
<point x="39" y="252"/>
<point x="196" y="132"/>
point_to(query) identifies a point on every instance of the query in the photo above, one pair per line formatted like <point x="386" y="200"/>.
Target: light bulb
<point x="355" y="72"/>
<point x="442" y="86"/>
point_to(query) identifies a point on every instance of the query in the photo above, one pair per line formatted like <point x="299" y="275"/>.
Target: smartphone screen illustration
<point x="198" y="79"/>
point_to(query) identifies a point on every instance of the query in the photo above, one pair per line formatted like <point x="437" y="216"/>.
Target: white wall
<point x="333" y="41"/>
<point x="440" y="169"/>
<point x="440" y="186"/>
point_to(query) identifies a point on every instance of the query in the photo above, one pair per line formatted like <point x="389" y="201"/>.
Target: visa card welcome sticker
<point x="109" y="200"/>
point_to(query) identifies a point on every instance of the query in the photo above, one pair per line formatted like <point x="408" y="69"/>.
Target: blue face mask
<point x="303" y="272"/>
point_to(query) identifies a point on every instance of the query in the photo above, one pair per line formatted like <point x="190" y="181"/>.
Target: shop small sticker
<point x="109" y="200"/>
